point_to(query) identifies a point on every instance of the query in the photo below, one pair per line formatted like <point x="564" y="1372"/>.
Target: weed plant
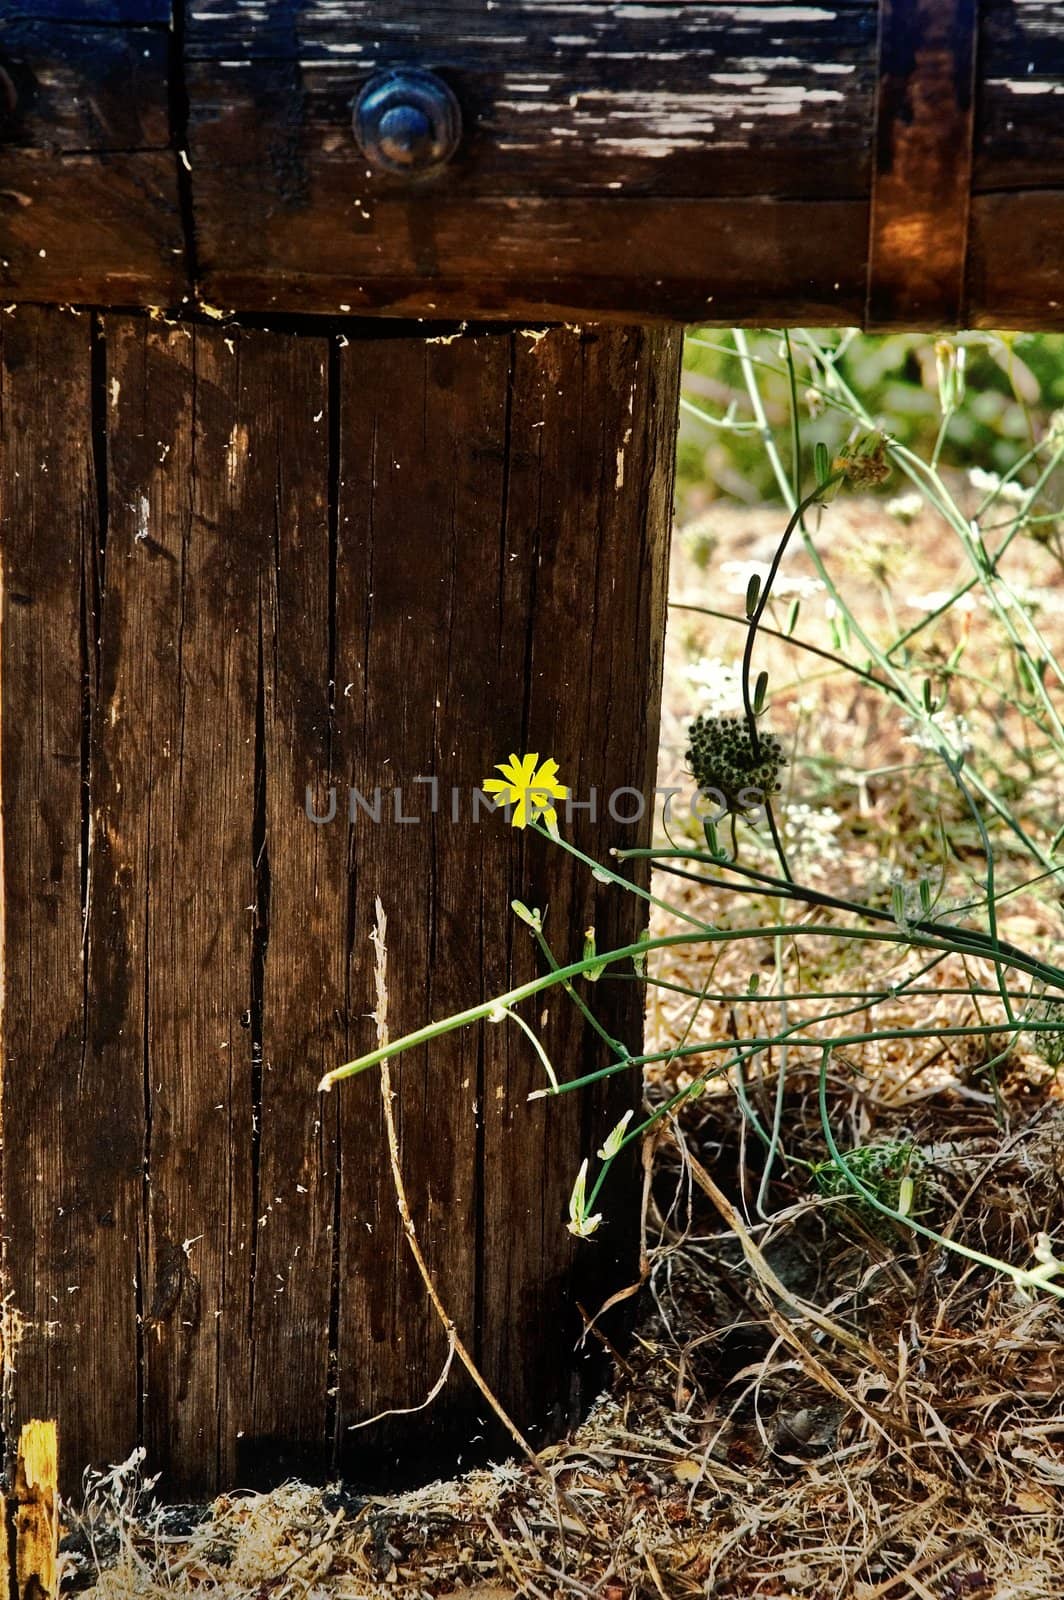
<point x="991" y="844"/>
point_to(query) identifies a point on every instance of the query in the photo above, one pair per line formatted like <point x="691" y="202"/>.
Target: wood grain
<point x="699" y="261"/>
<point x="569" y="98"/>
<point x="300" y="1018"/>
<point x="514" y="442"/>
<point x="733" y="139"/>
<point x="1019" y="135"/>
<point x="177" y="711"/>
<point x="238" y="564"/>
<point x="35" y="1513"/>
<point x="72" y="1098"/>
<point x="423" y="457"/>
<point x="599" y="450"/>
<point x="89" y="204"/>
<point x="707" y="161"/>
<point x="918" y="228"/>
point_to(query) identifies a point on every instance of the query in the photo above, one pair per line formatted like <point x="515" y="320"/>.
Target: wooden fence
<point x="258" y="543"/>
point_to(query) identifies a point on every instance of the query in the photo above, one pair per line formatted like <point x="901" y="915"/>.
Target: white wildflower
<point x="990" y="483"/>
<point x="615" y="1137"/>
<point x="937" y="599"/>
<point x="918" y="899"/>
<point x="1049" y="1264"/>
<point x="719" y="682"/>
<point x="905" y="507"/>
<point x="811" y="832"/>
<point x="928" y="733"/>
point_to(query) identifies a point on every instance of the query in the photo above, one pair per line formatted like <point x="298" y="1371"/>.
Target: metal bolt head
<point x="407" y="121"/>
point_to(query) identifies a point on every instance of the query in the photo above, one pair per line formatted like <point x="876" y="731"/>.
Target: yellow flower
<point x="529" y="788"/>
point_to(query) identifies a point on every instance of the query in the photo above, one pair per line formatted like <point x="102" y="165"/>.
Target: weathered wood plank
<point x="89" y="206"/>
<point x="90" y="229"/>
<point x="700" y="126"/>
<point x="591" y="448"/>
<point x="299" y="1008"/>
<point x="1019" y="133"/>
<point x="564" y="98"/>
<point x="476" y="623"/>
<point x="322" y="563"/>
<point x="423" y="446"/>
<point x="660" y="161"/>
<point x="548" y="259"/>
<point x="72" y="1155"/>
<point x="181" y="627"/>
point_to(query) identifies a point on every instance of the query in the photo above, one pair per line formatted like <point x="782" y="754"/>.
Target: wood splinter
<point x="33" y="1512"/>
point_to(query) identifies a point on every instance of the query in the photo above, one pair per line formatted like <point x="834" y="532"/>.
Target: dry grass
<point x="814" y="1405"/>
<point x="723" y="1464"/>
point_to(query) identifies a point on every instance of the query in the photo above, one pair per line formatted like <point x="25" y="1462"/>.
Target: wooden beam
<point x="704" y="161"/>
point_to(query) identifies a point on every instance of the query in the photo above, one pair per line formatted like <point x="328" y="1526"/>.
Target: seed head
<point x="722" y="761"/>
<point x="864" y="463"/>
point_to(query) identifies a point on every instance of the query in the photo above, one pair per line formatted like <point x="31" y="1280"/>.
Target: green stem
<point x="973" y="940"/>
<point x="1023" y="1278"/>
<point x="709" y="1047"/>
<point x="578" y="1000"/>
<point x="524" y="991"/>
